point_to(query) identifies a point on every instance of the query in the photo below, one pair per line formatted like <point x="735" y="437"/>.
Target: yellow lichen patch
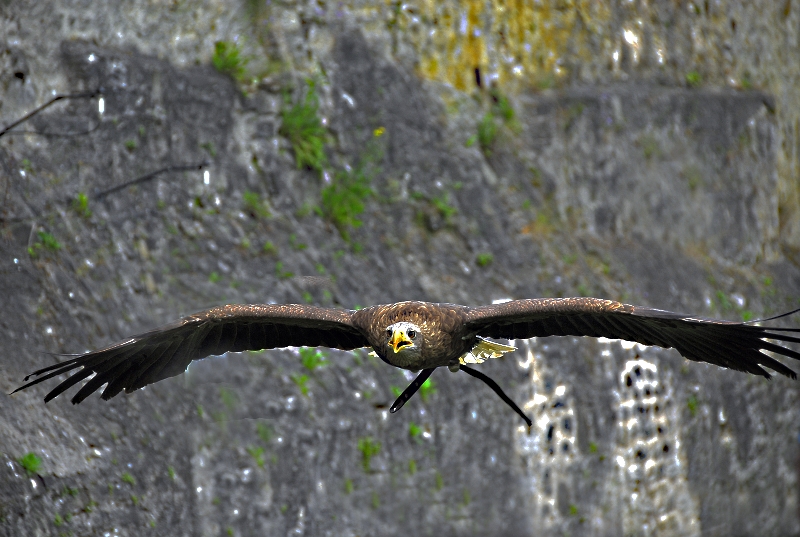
<point x="541" y="227"/>
<point x="509" y="42"/>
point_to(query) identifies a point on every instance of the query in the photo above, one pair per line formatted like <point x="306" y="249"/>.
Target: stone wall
<point x="652" y="157"/>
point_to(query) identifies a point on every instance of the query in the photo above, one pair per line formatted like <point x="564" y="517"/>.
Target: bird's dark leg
<point x="493" y="385"/>
<point x="411" y="389"/>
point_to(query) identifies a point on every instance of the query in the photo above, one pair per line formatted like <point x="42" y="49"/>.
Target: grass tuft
<point x="228" y="397"/>
<point x="257" y="452"/>
<point x="264" y="432"/>
<point x="691" y="404"/>
<point x="227" y="59"/>
<point x="343" y="200"/>
<point x="128" y="478"/>
<point x="254" y="205"/>
<point x="303" y="128"/>
<point x="487" y="133"/>
<point x="312" y="358"/>
<point x="302" y="383"/>
<point x="81" y="205"/>
<point x="46" y="241"/>
<point x="693" y="79"/>
<point x="368" y="448"/>
<point x="281" y="272"/>
<point x="414" y="430"/>
<point x="484" y="259"/>
<point x="30" y="462"/>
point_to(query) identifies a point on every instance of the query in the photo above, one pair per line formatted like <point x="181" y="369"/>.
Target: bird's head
<point x="404" y="338"/>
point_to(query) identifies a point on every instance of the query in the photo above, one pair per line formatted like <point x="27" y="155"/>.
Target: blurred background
<point x="359" y="152"/>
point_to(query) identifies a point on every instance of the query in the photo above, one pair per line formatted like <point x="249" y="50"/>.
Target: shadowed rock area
<point x="657" y="195"/>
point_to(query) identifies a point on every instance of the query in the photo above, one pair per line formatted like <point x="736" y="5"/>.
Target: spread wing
<point x="168" y="351"/>
<point x="728" y="344"/>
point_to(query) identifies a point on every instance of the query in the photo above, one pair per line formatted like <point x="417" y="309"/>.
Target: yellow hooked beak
<point x="399" y="340"/>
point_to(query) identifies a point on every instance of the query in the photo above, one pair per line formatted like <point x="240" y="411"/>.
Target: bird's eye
<point x="412" y="334"/>
<point x="389" y="332"/>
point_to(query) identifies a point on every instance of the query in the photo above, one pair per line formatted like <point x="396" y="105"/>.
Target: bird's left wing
<point x="724" y="343"/>
<point x="167" y="351"/>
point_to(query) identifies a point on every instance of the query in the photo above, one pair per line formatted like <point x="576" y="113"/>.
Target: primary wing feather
<point x="167" y="351"/>
<point x="727" y="344"/>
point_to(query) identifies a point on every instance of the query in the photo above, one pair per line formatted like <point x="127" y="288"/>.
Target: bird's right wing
<point x="167" y="351"/>
<point x="728" y="344"/>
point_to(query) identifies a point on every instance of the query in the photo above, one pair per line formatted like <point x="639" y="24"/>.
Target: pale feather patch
<point x="484" y="350"/>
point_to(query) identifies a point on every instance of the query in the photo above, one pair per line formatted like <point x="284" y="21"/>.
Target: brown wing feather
<point x="167" y="351"/>
<point x="728" y="344"/>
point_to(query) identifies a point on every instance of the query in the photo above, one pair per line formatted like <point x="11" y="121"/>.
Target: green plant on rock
<point x="45" y="241"/>
<point x="442" y="204"/>
<point x="30" y="462"/>
<point x="694" y="79"/>
<point x="227" y="59"/>
<point x="484" y="259"/>
<point x="344" y="199"/>
<point x="264" y="432"/>
<point x="412" y="466"/>
<point x="692" y="404"/>
<point x="427" y="389"/>
<point x="368" y="448"/>
<point x="302" y="382"/>
<point x="257" y="453"/>
<point x="254" y="206"/>
<point x="209" y="148"/>
<point x="312" y="358"/>
<point x="650" y="146"/>
<point x="228" y="398"/>
<point x="81" y="205"/>
<point x="500" y="109"/>
<point x="128" y="478"/>
<point x="303" y="128"/>
<point x="297" y="245"/>
<point x="281" y="272"/>
<point x="487" y="132"/>
<point x="269" y="248"/>
<point x="414" y="430"/>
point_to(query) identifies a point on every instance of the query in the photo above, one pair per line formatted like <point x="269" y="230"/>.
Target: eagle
<point x="417" y="336"/>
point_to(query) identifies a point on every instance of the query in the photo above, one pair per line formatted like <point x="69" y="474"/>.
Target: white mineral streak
<point x="649" y="491"/>
<point x="651" y="464"/>
<point x="549" y="450"/>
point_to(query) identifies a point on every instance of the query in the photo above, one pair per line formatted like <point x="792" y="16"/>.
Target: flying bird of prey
<point x="418" y="336"/>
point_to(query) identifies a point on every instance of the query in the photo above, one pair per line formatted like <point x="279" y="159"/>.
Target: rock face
<point x="642" y="191"/>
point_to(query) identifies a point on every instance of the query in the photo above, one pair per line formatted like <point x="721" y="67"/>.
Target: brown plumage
<point x="414" y="336"/>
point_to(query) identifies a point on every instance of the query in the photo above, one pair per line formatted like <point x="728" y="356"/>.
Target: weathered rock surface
<point x="652" y="194"/>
